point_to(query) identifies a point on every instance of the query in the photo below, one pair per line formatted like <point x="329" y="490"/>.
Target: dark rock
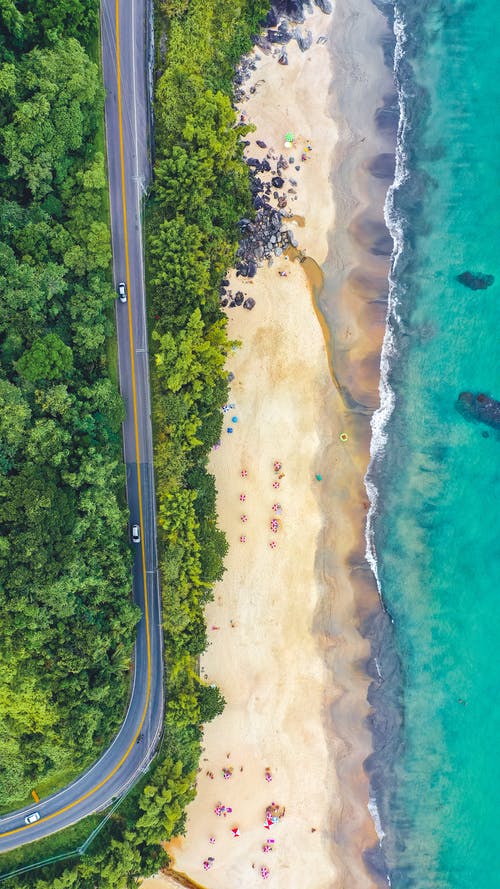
<point x="261" y="144"/>
<point x="225" y="282"/>
<point x="271" y="19"/>
<point x="230" y="376"/>
<point x="238" y="299"/>
<point x="278" y="182"/>
<point x="265" y="166"/>
<point x="224" y="303"/>
<point x="297" y="168"/>
<point x="257" y="202"/>
<point x="249" y="303"/>
<point x="293" y="182"/>
<point x="283" y="57"/>
<point x="479" y="407"/>
<point x="253" y="162"/>
<point x="279" y="36"/>
<point x="232" y="304"/>
<point x="293" y="9"/>
<point x="252" y="268"/>
<point x="324" y="5"/>
<point x="477" y="281"/>
<point x="304" y="41"/>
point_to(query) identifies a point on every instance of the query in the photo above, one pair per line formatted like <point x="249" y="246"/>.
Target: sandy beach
<point x="285" y="644"/>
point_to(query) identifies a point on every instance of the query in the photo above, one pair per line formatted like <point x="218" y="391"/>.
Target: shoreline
<point x="336" y="603"/>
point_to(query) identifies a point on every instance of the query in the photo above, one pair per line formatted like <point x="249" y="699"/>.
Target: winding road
<point x="125" y="57"/>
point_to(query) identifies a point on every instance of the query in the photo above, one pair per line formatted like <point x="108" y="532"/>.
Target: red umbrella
<point x="235" y="831"/>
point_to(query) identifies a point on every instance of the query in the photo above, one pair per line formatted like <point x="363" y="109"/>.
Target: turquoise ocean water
<point x="435" y="525"/>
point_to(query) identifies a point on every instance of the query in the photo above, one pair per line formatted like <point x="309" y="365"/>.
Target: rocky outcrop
<point x="478" y="281"/>
<point x="479" y="407"/>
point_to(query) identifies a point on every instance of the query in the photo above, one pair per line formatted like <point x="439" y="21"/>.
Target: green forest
<point x="54" y="230"/>
<point x="67" y="619"/>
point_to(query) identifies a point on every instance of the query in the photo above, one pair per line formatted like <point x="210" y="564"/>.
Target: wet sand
<point x="285" y="641"/>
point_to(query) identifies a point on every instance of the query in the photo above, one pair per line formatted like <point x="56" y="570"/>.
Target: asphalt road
<point x="124" y="55"/>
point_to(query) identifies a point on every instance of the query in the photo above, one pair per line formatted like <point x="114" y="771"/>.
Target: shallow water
<point x="436" y="522"/>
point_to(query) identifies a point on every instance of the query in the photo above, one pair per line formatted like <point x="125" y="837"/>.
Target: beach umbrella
<point x="276" y="507"/>
<point x="229" y="429"/>
<point x="276" y="485"/>
<point x="273" y="544"/>
<point x="344" y="436"/>
<point x="244" y="518"/>
<point x="264" y="872"/>
<point x="244" y="473"/>
<point x="234" y="419"/>
<point x="243" y="539"/>
<point x="277" y="465"/>
<point x="243" y="497"/>
<point x="235" y="831"/>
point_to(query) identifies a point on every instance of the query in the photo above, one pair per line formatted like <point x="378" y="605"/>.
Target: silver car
<point x="30" y="819"/>
<point x="136" y="534"/>
<point x="122" y="292"/>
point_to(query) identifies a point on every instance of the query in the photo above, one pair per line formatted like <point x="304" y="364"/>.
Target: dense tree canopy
<point x="66" y="615"/>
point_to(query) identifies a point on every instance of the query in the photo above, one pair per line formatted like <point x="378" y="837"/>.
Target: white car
<point x="30" y="819"/>
<point x="136" y="534"/>
<point x="122" y="292"/>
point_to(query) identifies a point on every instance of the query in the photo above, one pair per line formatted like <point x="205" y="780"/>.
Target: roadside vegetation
<point x="200" y="191"/>
<point x="67" y="620"/>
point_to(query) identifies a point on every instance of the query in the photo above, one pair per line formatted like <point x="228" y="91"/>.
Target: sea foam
<point x="395" y="226"/>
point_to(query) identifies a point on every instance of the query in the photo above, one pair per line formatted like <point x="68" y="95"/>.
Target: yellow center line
<point x="137" y="454"/>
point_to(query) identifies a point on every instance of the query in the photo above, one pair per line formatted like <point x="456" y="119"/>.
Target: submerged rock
<point x="479" y="407"/>
<point x="477" y="281"/>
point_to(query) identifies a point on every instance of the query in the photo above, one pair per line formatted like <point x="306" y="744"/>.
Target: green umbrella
<point x="289" y="137"/>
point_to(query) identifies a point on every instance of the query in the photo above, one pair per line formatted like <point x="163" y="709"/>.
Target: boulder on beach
<point x="249" y="303"/>
<point x="283" y="57"/>
<point x="279" y="36"/>
<point x="325" y="6"/>
<point x="261" y="144"/>
<point x="479" y="407"/>
<point x="304" y="41"/>
<point x="476" y="281"/>
<point x="278" y="182"/>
